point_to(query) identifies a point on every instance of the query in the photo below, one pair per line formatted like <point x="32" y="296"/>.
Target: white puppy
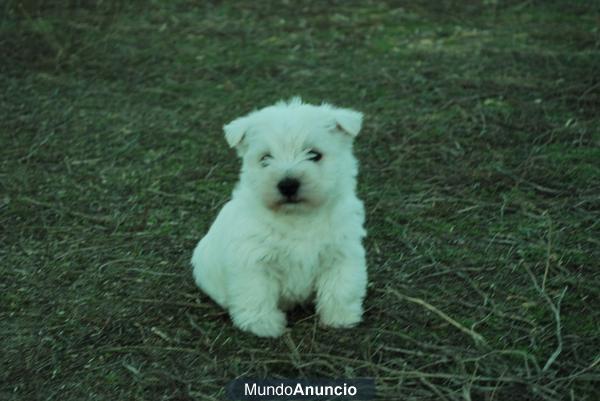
<point x="293" y="229"/>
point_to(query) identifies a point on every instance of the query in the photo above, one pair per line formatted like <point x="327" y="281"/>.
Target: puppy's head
<point x="296" y="156"/>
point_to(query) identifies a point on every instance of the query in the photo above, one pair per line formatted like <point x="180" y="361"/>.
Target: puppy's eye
<point x="264" y="160"/>
<point x="314" y="155"/>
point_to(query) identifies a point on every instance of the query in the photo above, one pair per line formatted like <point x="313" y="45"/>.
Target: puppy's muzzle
<point x="288" y="187"/>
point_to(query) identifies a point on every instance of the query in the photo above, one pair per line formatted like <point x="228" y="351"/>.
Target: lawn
<point x="480" y="173"/>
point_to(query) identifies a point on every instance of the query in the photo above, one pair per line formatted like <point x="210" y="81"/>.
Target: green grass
<point x="480" y="172"/>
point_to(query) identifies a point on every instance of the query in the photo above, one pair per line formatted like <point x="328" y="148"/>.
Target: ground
<point x="480" y="172"/>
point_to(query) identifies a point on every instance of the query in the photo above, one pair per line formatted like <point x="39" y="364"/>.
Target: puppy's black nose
<point x="288" y="187"/>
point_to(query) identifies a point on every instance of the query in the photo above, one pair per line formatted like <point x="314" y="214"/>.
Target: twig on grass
<point x="478" y="338"/>
<point x="133" y="348"/>
<point x="163" y="302"/>
<point x="556" y="311"/>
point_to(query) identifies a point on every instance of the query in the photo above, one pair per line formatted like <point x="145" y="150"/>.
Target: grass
<point x="480" y="171"/>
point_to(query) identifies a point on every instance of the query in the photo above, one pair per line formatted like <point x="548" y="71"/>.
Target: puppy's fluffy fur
<point x="276" y="244"/>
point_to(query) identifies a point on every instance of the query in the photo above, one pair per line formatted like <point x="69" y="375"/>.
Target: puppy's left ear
<point x="348" y="121"/>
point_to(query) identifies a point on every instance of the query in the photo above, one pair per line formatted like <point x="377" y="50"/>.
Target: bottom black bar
<point x="301" y="389"/>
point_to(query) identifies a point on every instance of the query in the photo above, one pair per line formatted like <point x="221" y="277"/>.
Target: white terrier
<point x="294" y="226"/>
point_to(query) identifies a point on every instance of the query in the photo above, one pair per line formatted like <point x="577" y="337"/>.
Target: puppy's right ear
<point x="235" y="131"/>
<point x="235" y="134"/>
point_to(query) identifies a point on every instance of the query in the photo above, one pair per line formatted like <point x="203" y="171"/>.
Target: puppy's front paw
<point x="341" y="315"/>
<point x="264" y="325"/>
